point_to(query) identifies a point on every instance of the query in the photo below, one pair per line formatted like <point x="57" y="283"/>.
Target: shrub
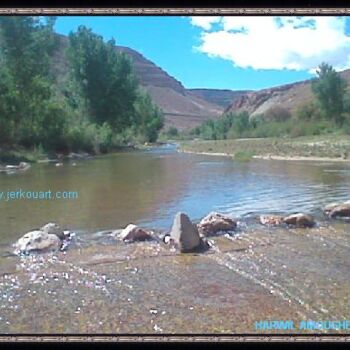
<point x="277" y="113"/>
<point x="172" y="132"/>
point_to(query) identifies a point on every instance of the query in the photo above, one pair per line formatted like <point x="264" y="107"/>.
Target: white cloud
<point x="299" y="43"/>
<point x="205" y="22"/>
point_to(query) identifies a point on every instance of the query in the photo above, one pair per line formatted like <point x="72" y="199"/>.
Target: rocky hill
<point x="223" y="98"/>
<point x="182" y="108"/>
<point x="290" y="97"/>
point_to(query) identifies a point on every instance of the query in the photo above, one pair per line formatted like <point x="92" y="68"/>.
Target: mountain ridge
<point x="187" y="108"/>
<point x="290" y="96"/>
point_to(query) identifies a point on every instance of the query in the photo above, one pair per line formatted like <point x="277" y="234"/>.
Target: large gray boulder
<point x="214" y="223"/>
<point x="185" y="234"/>
<point x="37" y="241"/>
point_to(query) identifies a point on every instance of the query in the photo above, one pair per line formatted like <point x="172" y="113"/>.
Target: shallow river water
<point x="255" y="274"/>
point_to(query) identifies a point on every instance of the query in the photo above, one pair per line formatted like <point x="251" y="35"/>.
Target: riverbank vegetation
<point x="98" y="107"/>
<point x="328" y="113"/>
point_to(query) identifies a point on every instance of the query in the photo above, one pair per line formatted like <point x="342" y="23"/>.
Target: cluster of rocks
<point x="22" y="166"/>
<point x="184" y="234"/>
<point x="301" y="220"/>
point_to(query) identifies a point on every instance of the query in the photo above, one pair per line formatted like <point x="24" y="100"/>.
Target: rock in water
<point x="134" y="233"/>
<point x="185" y="234"/>
<point x="300" y="220"/>
<point x="215" y="222"/>
<point x="54" y="229"/>
<point x="37" y="241"/>
<point x="329" y="207"/>
<point x="341" y="210"/>
<point x="271" y="219"/>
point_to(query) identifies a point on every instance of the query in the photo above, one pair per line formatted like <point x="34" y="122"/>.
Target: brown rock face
<point x="289" y="96"/>
<point x="185" y="234"/>
<point x="215" y="222"/>
<point x="271" y="219"/>
<point x="300" y="220"/>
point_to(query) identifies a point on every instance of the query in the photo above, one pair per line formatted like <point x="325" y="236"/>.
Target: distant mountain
<point x="290" y="97"/>
<point x="222" y="98"/>
<point x="181" y="107"/>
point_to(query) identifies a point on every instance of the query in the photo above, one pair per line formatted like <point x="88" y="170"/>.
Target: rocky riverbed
<point x="250" y="273"/>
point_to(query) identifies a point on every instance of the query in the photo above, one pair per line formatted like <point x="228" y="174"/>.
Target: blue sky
<point x="235" y="53"/>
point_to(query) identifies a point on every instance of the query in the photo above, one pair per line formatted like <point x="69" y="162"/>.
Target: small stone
<point x="271" y="219"/>
<point x="216" y="222"/>
<point x="300" y="220"/>
<point x="134" y="233"/>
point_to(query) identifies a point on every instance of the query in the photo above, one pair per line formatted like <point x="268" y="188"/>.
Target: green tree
<point x="149" y="118"/>
<point x="329" y="89"/>
<point x="27" y="99"/>
<point x="173" y="132"/>
<point x="106" y="78"/>
<point x="241" y="122"/>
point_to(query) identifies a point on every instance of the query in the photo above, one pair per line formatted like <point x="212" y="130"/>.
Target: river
<point x="101" y="286"/>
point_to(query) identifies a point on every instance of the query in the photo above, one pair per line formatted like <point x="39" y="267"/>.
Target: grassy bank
<point x="309" y="147"/>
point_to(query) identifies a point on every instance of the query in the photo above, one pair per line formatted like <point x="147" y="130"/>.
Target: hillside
<point x="290" y="96"/>
<point x="181" y="108"/>
<point x="223" y="98"/>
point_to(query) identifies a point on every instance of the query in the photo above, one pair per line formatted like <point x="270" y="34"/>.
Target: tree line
<point x="100" y="105"/>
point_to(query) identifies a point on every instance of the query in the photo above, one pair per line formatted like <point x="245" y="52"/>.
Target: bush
<point x="277" y="113"/>
<point x="90" y="138"/>
<point x="172" y="132"/>
<point x="307" y="112"/>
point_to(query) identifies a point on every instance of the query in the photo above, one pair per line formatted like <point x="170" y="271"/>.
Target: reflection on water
<point x="108" y="287"/>
<point x="149" y="187"/>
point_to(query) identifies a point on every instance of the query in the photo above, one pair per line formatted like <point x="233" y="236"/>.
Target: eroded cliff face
<point x="290" y="97"/>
